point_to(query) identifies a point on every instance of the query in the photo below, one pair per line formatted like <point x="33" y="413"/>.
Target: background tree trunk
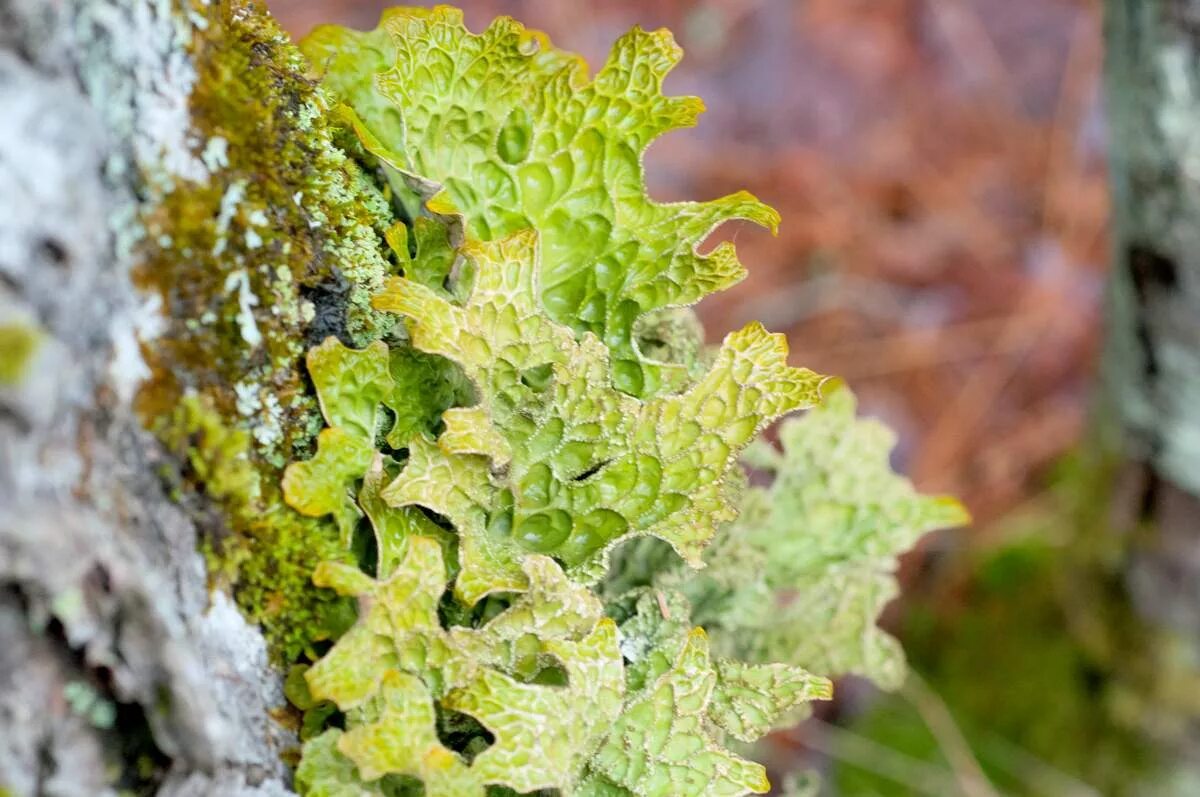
<point x="1152" y="363"/>
<point x="118" y="669"/>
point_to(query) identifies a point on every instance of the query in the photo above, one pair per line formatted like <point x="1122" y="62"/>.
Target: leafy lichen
<point x="805" y="570"/>
<point x="392" y="668"/>
<point x="571" y="467"/>
<point x="398" y="665"/>
<point x="484" y="660"/>
<point x="830" y="529"/>
<point x="516" y="137"/>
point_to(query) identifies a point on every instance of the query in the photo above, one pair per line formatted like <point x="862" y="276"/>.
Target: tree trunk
<point x="1152" y="363"/>
<point x="118" y="668"/>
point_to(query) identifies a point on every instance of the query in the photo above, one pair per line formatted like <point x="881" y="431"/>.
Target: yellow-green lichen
<point x="18" y="344"/>
<point x="541" y="468"/>
<point x="576" y="467"/>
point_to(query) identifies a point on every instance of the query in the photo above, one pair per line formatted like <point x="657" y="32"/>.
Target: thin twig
<point x="870" y="756"/>
<point x="1041" y="776"/>
<point x="939" y="720"/>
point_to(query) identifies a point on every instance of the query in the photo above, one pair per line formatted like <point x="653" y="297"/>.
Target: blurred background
<point x="940" y="169"/>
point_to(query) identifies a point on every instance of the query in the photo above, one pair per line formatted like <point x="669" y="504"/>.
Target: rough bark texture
<point x="114" y="657"/>
<point x="1152" y="365"/>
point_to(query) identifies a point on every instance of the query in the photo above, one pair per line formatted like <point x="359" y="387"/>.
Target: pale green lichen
<point x="577" y="732"/>
<point x="749" y="700"/>
<point x="661" y="746"/>
<point x="389" y="671"/>
<point x="804" y="572"/>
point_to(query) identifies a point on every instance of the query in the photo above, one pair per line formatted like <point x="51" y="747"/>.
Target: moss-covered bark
<point x="279" y="245"/>
<point x="179" y="225"/>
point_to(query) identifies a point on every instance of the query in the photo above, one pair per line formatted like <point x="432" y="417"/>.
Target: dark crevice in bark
<point x="138" y="765"/>
<point x="329" y="301"/>
<point x="1153" y="274"/>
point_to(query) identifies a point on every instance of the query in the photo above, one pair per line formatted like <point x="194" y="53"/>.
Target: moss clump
<point x="259" y="548"/>
<point x="18" y="344"/>
<point x="281" y="246"/>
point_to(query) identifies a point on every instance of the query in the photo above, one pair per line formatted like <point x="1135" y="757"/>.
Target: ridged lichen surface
<point x="535" y="462"/>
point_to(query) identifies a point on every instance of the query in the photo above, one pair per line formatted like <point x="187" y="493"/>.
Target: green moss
<point x="280" y="247"/>
<point x="18" y="344"/>
<point x="261" y="550"/>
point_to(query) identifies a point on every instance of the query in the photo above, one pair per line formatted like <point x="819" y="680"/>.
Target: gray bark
<point x="111" y="647"/>
<point x="1152" y="364"/>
